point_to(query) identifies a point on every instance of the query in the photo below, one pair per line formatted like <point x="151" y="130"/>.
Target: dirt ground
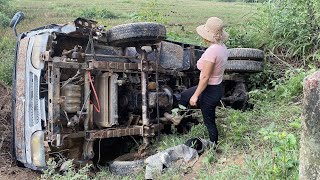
<point x="8" y="168"/>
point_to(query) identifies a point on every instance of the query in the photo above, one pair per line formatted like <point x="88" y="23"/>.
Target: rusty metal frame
<point x="19" y="121"/>
<point x="147" y="131"/>
<point x="53" y="100"/>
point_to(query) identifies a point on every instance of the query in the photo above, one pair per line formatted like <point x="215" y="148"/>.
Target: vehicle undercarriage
<point x="77" y="83"/>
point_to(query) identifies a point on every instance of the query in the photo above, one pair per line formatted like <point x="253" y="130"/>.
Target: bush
<point x="286" y="27"/>
<point x="284" y="89"/>
<point x="284" y="147"/>
<point x="6" y="59"/>
<point x="70" y="171"/>
<point x="4" y="20"/>
<point x="149" y="12"/>
<point x="94" y="13"/>
<point x="6" y="12"/>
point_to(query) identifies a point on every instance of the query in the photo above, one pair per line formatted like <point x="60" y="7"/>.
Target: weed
<point x="199" y="130"/>
<point x="289" y="27"/>
<point x="70" y="171"/>
<point x="6" y="12"/>
<point x="170" y="141"/>
<point x="97" y="13"/>
<point x="285" y="88"/>
<point x="6" y="60"/>
<point x="4" y="20"/>
<point x="149" y="12"/>
<point x="185" y="36"/>
<point x="209" y="157"/>
<point x="284" y="152"/>
<point x="266" y="78"/>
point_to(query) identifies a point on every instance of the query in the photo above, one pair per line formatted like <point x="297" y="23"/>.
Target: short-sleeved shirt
<point x="218" y="55"/>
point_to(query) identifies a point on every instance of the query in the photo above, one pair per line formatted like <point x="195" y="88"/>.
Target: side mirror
<point x="15" y="21"/>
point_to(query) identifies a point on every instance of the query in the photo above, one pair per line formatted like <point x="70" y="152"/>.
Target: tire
<point x="246" y="53"/>
<point x="126" y="167"/>
<point x="136" y="34"/>
<point x="244" y="66"/>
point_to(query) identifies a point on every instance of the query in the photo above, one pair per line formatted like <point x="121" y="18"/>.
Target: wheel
<point x="136" y="34"/>
<point x="126" y="167"/>
<point x="246" y="53"/>
<point x="241" y="93"/>
<point x="244" y="66"/>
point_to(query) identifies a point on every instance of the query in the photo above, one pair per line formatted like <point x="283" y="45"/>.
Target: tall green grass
<point x="7" y="46"/>
<point x="288" y="28"/>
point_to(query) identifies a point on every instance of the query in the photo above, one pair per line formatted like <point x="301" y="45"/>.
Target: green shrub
<point x="289" y="28"/>
<point x="95" y="13"/>
<point x="70" y="171"/>
<point x="6" y="12"/>
<point x="266" y="78"/>
<point x="4" y="20"/>
<point x="149" y="12"/>
<point x="284" y="147"/>
<point x="6" y="67"/>
<point x="6" y="7"/>
<point x="284" y="89"/>
<point x="6" y="59"/>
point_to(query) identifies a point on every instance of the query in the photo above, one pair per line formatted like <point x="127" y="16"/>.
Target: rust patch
<point x="120" y="132"/>
<point x="20" y="99"/>
<point x="114" y="65"/>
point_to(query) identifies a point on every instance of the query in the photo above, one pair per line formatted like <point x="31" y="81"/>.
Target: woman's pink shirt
<point x="218" y="55"/>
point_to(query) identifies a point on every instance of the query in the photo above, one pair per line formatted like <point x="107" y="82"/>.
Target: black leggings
<point x="208" y="101"/>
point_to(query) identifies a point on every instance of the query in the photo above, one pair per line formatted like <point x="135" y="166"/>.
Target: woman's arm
<point x="203" y="81"/>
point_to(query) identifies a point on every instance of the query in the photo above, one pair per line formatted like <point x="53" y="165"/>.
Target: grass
<point x="181" y="17"/>
<point x="250" y="141"/>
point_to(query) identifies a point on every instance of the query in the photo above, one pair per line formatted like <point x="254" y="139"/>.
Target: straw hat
<point x="213" y="30"/>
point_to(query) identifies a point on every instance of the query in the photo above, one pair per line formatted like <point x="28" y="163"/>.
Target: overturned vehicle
<point x="78" y="85"/>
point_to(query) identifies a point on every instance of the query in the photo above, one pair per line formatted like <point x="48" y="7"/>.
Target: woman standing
<point x="212" y="65"/>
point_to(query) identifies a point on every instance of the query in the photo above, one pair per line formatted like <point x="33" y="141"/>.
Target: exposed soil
<point x="8" y="168"/>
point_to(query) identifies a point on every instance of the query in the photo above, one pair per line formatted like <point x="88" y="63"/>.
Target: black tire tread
<point x="135" y="34"/>
<point x="126" y="167"/>
<point x="246" y="53"/>
<point x="244" y="66"/>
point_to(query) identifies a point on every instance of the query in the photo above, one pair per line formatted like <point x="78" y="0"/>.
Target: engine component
<point x="152" y="86"/>
<point x="107" y="90"/>
<point x="72" y="98"/>
<point x="113" y="101"/>
<point x="88" y="150"/>
<point x="165" y="98"/>
<point x="73" y="121"/>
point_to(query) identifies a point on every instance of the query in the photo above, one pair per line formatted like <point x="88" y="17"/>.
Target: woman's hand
<point x="203" y="81"/>
<point x="193" y="100"/>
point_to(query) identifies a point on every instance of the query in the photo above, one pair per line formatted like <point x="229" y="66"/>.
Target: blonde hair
<point x="217" y="40"/>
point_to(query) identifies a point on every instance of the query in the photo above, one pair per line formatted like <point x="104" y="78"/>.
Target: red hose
<point x="95" y="93"/>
